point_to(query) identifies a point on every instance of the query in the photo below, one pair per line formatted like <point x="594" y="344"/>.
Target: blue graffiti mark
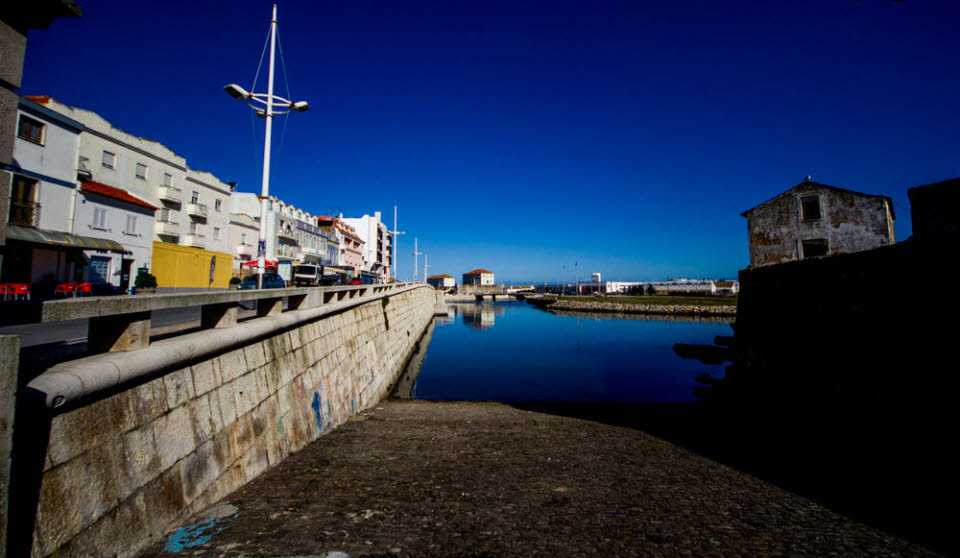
<point x="316" y="410"/>
<point x="353" y="404"/>
<point x="193" y="535"/>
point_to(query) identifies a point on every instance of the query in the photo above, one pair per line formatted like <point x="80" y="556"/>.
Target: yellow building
<point x="180" y="267"/>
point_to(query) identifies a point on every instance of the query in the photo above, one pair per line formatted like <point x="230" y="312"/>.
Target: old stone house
<point x="813" y="219"/>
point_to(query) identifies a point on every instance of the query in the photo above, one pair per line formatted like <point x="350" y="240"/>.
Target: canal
<point x="513" y="351"/>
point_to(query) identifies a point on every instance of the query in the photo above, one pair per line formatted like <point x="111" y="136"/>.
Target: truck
<point x="307" y="275"/>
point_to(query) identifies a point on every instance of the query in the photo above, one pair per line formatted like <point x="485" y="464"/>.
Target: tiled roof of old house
<point x="444" y="276"/>
<point x="478" y="271"/>
<point x="115" y="193"/>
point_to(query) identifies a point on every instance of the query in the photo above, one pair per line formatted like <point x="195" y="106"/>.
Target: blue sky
<point x="526" y="136"/>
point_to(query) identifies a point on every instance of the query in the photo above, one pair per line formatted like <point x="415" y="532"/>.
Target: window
<point x="193" y="227"/>
<point x="99" y="269"/>
<point x="243" y="239"/>
<point x="195" y="197"/>
<point x="814" y="248"/>
<point x="218" y="205"/>
<point x="164" y="215"/>
<point x="810" y="208"/>
<point x="99" y="218"/>
<point x="30" y="129"/>
<point x="141" y="171"/>
<point x="216" y="233"/>
<point x="24" y="211"/>
<point x="108" y="160"/>
<point x="131" y="225"/>
<point x="167" y="179"/>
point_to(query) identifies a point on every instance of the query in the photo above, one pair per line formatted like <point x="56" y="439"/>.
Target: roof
<point x="444" y="276"/>
<point x="953" y="183"/>
<point x="115" y="193"/>
<point x="478" y="271"/>
<point x="826" y="187"/>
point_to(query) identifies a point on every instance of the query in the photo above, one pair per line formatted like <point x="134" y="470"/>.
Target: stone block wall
<point x="120" y="471"/>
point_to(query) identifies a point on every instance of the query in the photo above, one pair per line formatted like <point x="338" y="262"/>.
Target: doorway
<point x="125" y="275"/>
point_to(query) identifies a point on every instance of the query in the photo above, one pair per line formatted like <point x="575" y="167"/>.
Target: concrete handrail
<point x="93" y="307"/>
<point x="69" y="381"/>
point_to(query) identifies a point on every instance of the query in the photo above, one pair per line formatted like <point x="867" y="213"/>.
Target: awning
<point x="334" y="269"/>
<point x="54" y="238"/>
<point x="267" y="263"/>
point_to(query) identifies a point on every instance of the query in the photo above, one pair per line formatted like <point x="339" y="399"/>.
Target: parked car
<point x="270" y="281"/>
<point x="356" y="281"/>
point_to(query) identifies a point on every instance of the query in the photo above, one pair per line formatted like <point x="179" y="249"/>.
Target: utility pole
<point x="576" y="278"/>
<point x="415" y="259"/>
<point x="395" y="232"/>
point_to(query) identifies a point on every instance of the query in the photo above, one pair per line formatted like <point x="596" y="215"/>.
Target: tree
<point x="651" y="290"/>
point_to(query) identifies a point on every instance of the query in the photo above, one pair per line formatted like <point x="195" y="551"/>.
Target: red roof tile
<point x="115" y="193"/>
<point x="478" y="271"/>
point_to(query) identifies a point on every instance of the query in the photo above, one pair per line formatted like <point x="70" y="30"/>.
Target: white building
<point x="51" y="237"/>
<point x="480" y="277"/>
<point x="377" y="243"/>
<point x="441" y="281"/>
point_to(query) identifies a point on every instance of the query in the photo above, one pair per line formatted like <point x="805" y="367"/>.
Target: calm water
<point x="512" y="351"/>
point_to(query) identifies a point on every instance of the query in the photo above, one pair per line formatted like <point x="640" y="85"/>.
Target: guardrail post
<point x="218" y="316"/>
<point x="121" y="332"/>
<point x="269" y="307"/>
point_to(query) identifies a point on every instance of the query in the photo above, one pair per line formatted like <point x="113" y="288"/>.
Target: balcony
<point x="245" y="250"/>
<point x="25" y="214"/>
<point x="196" y="240"/>
<point x="287" y="235"/>
<point x="197" y="210"/>
<point x="171" y="194"/>
<point x="167" y="228"/>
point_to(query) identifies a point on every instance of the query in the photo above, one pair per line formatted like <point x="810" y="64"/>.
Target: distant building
<point x="478" y="277"/>
<point x="441" y="281"/>
<point x="935" y="208"/>
<point x="813" y="219"/>
<point x="377" y="243"/>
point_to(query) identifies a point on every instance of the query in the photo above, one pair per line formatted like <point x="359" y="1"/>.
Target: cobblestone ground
<point x="482" y="479"/>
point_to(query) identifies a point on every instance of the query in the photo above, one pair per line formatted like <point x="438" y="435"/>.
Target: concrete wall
<point x="120" y="471"/>
<point x="849" y="223"/>
<point x="9" y="360"/>
<point x="874" y="326"/>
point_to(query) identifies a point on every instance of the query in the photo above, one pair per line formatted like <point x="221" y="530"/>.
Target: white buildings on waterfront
<point x="92" y="203"/>
<point x="478" y="277"/>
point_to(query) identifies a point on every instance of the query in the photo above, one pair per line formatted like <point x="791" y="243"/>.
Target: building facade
<point x="441" y="281"/>
<point x="478" y="277"/>
<point x="813" y="219"/>
<point x="377" y="244"/>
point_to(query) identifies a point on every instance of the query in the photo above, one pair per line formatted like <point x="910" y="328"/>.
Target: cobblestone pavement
<point x="483" y="479"/>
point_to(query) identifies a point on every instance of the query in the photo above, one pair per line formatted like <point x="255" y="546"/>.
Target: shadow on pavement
<point x="889" y="468"/>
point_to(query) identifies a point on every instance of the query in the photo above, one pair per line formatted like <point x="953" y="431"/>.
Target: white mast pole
<point x="415" y="259"/>
<point x="265" y="190"/>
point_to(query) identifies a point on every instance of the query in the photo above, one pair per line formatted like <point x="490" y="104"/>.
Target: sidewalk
<point x="469" y="479"/>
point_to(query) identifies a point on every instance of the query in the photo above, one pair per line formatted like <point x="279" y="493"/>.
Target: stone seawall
<point x="120" y="471"/>
<point x="661" y="309"/>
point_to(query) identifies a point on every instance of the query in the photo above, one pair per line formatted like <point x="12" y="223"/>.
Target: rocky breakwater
<point x="718" y="310"/>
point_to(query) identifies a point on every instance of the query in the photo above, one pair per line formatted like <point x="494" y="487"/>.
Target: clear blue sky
<point x="525" y="136"/>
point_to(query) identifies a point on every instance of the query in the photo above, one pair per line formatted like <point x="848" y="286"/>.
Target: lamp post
<point x="269" y="102"/>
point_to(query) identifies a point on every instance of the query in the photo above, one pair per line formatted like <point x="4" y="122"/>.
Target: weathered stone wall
<point x="661" y="309"/>
<point x="849" y="223"/>
<point x="121" y="470"/>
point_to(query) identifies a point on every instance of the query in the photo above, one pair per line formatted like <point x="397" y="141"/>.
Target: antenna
<point x="415" y="260"/>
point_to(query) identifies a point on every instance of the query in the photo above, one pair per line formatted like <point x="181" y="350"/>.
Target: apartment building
<point x="189" y="233"/>
<point x="377" y="243"/>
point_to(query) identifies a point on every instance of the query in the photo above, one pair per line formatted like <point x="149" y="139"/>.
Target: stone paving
<point x="483" y="479"/>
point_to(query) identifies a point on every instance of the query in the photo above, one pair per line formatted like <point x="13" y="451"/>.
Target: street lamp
<point x="272" y="104"/>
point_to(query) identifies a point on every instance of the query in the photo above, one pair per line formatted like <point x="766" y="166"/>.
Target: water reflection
<point x="477" y="315"/>
<point x="534" y="355"/>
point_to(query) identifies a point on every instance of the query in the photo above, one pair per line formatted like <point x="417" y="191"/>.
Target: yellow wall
<point x="183" y="266"/>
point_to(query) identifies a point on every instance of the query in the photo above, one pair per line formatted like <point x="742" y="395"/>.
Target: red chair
<point x="85" y="289"/>
<point x="19" y="290"/>
<point x="66" y="289"/>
